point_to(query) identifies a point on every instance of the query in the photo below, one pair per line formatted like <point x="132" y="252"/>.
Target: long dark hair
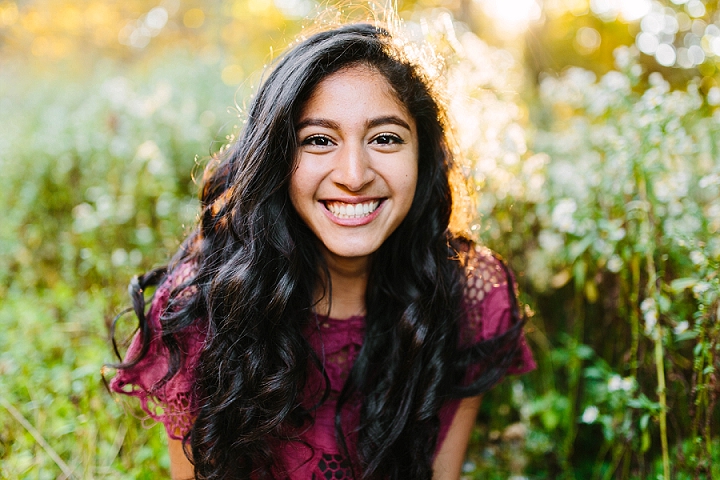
<point x="257" y="265"/>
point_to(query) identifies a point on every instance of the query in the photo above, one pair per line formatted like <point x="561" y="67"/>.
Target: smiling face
<point x="357" y="163"/>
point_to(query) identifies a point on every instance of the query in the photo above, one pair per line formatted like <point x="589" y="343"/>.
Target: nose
<point x="353" y="167"/>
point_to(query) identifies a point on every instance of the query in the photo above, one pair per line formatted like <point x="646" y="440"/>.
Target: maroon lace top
<point x="337" y="342"/>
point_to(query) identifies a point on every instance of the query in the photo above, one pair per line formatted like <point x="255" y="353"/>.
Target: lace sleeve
<point x="488" y="308"/>
<point x="173" y="402"/>
<point x="487" y="311"/>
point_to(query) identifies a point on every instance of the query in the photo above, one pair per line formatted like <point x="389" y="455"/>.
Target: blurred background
<point x="590" y="130"/>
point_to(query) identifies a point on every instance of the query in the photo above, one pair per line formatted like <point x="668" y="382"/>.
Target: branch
<point x="67" y="471"/>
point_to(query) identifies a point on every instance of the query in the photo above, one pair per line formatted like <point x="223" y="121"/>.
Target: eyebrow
<point x="373" y="122"/>
<point x="317" y="122"/>
<point x="390" y="119"/>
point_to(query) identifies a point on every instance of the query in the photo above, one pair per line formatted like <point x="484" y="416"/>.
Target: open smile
<point x="344" y="210"/>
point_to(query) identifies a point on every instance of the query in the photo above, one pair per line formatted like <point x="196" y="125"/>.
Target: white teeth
<point x="348" y="210"/>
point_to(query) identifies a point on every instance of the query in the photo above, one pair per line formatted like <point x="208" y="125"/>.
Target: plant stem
<point x="711" y="396"/>
<point x="657" y="336"/>
<point x="660" y="368"/>
<point x="634" y="316"/>
<point x="697" y="388"/>
<point x="574" y="367"/>
<point x="617" y="456"/>
<point x="657" y="333"/>
<point x="37" y="436"/>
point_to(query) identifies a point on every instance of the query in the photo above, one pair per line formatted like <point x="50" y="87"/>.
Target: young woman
<point x="322" y="321"/>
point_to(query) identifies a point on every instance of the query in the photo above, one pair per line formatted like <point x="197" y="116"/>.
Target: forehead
<point x="353" y="87"/>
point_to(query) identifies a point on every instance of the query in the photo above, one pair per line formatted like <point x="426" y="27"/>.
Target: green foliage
<point x="96" y="188"/>
<point x="54" y="382"/>
<point x="620" y="253"/>
<point x="608" y="210"/>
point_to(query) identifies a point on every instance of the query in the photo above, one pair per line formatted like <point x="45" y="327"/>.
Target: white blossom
<point x="628" y="383"/>
<point x="700" y="288"/>
<point x="590" y="414"/>
<point x="697" y="257"/>
<point x="550" y="242"/>
<point x="708" y="180"/>
<point x="681" y="327"/>
<point x="650" y="314"/>
<point x="615" y="263"/>
<point x="562" y="215"/>
<point x="713" y="96"/>
<point x="615" y="383"/>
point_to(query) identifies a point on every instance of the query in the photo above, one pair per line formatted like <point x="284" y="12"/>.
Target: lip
<point x="353" y="222"/>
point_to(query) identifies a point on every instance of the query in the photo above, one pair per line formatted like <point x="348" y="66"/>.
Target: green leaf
<point x="585" y="352"/>
<point x="686" y="335"/>
<point x="664" y="303"/>
<point x="644" y="421"/>
<point x="645" y="441"/>
<point x="594" y="373"/>
<point x="578" y="248"/>
<point x="550" y="419"/>
<point x="680" y="284"/>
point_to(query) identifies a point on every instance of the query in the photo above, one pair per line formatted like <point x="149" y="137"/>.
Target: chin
<point x="349" y="252"/>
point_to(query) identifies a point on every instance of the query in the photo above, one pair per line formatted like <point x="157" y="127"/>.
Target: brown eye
<point x="387" y="139"/>
<point x="318" y="141"/>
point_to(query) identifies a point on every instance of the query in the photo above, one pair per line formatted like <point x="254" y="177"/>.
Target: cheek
<point x="302" y="190"/>
<point x="413" y="175"/>
<point x="298" y="184"/>
<point x="410" y="196"/>
<point x="297" y="194"/>
<point x="409" y="183"/>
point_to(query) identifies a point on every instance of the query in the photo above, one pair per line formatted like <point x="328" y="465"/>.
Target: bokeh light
<point x="665" y="55"/>
<point x="194" y="18"/>
<point x="628" y="10"/>
<point x="511" y="16"/>
<point x="587" y="40"/>
<point x="232" y="74"/>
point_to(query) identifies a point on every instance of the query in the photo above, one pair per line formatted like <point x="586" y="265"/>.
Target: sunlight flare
<point x="512" y="16"/>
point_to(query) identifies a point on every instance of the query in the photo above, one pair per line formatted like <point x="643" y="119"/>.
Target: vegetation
<point x="600" y="185"/>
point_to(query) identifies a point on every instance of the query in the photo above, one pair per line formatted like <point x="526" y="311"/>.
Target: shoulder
<point x="489" y="309"/>
<point x="488" y="299"/>
<point x="178" y="281"/>
<point x="484" y="272"/>
<point x="164" y="382"/>
<point x="173" y="292"/>
<point x="181" y="289"/>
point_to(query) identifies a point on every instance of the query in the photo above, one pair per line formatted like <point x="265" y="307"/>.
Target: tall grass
<point x="602" y="193"/>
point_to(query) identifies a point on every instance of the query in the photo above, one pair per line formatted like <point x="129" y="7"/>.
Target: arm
<point x="180" y="466"/>
<point x="449" y="460"/>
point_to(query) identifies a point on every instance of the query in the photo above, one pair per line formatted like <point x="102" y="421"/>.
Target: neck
<point x="348" y="277"/>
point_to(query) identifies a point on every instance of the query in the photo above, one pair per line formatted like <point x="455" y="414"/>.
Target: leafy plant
<point x="603" y="193"/>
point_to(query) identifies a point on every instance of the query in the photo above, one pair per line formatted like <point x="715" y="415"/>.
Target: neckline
<point x="321" y="316"/>
<point x="355" y="320"/>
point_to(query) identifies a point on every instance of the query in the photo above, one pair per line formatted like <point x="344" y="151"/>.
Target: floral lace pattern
<point x="485" y="277"/>
<point x="331" y="467"/>
<point x="337" y="343"/>
<point x="173" y="403"/>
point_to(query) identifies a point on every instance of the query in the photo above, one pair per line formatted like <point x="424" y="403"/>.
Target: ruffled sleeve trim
<point x="488" y="307"/>
<point x="173" y="402"/>
<point x="487" y="310"/>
